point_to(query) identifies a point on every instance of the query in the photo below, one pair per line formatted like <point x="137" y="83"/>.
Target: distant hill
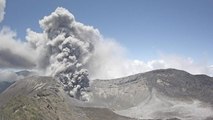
<point x="24" y="73"/>
<point x="4" y="85"/>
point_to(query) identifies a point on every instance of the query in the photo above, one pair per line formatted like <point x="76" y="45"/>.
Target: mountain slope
<point x="158" y="94"/>
<point x="42" y="98"/>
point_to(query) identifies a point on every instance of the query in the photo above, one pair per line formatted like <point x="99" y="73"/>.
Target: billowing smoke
<point x="2" y="7"/>
<point x="64" y="49"/>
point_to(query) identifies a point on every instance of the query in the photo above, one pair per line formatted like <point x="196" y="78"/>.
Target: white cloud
<point x="188" y="64"/>
<point x="6" y="75"/>
<point x="13" y="52"/>
<point x="110" y="62"/>
<point x="2" y="7"/>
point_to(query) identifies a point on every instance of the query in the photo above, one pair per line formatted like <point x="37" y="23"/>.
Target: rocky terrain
<point x="42" y="98"/>
<point x="161" y="94"/>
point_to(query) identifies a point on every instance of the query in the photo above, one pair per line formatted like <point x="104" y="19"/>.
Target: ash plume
<point x="66" y="47"/>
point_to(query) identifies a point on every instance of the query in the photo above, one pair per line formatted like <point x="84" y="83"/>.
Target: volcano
<point x="159" y="94"/>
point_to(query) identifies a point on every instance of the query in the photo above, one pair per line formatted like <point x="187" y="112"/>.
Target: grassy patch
<point x="21" y="108"/>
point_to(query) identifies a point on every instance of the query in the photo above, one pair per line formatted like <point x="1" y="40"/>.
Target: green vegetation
<point x="20" y="108"/>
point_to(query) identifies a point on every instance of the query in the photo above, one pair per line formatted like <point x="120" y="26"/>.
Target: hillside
<point x="42" y="98"/>
<point x="161" y="94"/>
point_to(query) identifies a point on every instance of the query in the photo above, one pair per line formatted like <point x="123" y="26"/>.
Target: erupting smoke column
<point x="66" y="46"/>
<point x="68" y="52"/>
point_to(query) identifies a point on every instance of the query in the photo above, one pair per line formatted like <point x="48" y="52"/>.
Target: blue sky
<point x="146" y="28"/>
